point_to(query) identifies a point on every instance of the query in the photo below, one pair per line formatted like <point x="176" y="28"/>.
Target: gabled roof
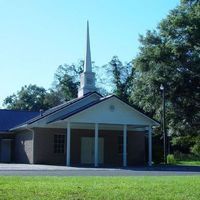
<point x="97" y="102"/>
<point x="12" y="118"/>
<point x="65" y="105"/>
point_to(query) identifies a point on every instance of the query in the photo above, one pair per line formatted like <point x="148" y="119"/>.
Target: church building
<point x="90" y="130"/>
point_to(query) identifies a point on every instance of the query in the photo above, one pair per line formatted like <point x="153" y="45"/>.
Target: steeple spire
<point x="87" y="78"/>
<point x="88" y="62"/>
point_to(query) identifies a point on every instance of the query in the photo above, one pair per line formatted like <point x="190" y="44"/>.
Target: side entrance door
<point x="5" y="150"/>
<point x="87" y="150"/>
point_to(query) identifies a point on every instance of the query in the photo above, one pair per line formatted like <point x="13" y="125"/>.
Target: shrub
<point x="170" y="159"/>
<point x="183" y="143"/>
<point x="179" y="156"/>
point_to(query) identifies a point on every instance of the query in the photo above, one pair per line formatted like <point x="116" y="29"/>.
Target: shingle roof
<point x="57" y="108"/>
<point x="12" y="118"/>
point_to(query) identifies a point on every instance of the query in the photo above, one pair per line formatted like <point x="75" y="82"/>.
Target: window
<point x="59" y="144"/>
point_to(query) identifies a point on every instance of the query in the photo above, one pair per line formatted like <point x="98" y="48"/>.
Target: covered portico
<point x="99" y="145"/>
<point x="119" y="129"/>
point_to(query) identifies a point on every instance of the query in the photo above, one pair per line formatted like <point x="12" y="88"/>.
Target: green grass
<point x="189" y="163"/>
<point x="140" y="188"/>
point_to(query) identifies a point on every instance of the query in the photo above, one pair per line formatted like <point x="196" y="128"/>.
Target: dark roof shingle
<point x="59" y="107"/>
<point x="12" y="118"/>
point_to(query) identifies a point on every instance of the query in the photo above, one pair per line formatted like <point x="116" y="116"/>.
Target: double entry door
<point x="87" y="150"/>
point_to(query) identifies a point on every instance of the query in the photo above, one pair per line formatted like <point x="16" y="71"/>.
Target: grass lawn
<point x="189" y="163"/>
<point x="140" y="188"/>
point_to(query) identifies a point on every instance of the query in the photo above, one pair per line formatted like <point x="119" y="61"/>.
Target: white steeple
<point x="87" y="78"/>
<point x="88" y="62"/>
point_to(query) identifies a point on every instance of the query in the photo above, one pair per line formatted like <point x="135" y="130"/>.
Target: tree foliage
<point x="66" y="80"/>
<point x="171" y="55"/>
<point x="32" y="98"/>
<point x="121" y="78"/>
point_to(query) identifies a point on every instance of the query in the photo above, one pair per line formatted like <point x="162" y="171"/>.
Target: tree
<point x="170" y="55"/>
<point x="32" y="98"/>
<point x="53" y="98"/>
<point x="121" y="78"/>
<point x="66" y="80"/>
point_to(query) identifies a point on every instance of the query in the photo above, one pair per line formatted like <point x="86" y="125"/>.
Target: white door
<point x="87" y="150"/>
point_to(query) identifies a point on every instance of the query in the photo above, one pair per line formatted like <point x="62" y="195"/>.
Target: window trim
<point x="59" y="141"/>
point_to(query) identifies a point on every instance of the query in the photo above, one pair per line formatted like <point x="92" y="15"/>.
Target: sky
<point x="36" y="36"/>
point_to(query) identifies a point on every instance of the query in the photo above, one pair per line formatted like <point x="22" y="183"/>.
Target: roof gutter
<point x="25" y="126"/>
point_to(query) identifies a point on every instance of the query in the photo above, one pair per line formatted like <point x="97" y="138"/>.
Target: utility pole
<point x="162" y="88"/>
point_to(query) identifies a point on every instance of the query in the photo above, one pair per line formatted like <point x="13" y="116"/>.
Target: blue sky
<point x="36" y="36"/>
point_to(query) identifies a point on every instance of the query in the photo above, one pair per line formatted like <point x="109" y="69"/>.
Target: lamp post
<point x="162" y="88"/>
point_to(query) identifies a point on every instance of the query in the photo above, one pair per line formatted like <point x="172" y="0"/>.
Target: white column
<point x="96" y="145"/>
<point x="125" y="145"/>
<point x="68" y="144"/>
<point x="150" y="145"/>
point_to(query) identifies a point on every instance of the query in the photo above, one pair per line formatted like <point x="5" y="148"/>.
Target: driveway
<point x="50" y="170"/>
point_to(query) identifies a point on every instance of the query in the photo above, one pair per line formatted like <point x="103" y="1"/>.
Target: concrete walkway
<point x="50" y="170"/>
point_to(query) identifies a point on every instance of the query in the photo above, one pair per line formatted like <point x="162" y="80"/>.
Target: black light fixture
<point x="162" y="88"/>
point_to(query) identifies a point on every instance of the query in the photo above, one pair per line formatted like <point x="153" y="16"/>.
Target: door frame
<point x="5" y="151"/>
<point x="91" y="151"/>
